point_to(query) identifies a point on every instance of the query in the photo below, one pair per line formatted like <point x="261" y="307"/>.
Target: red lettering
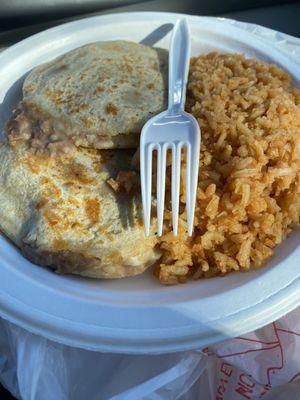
<point x="221" y="389"/>
<point x="244" y="391"/>
<point x="247" y="380"/>
<point x="226" y="369"/>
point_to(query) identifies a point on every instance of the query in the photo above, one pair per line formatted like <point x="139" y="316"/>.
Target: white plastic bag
<point x="264" y="364"/>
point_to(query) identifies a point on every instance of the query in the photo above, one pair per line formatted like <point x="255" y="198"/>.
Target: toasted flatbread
<point x="98" y="96"/>
<point x="62" y="212"/>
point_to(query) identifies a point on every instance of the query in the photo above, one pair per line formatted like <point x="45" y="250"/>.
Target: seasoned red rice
<point x="248" y="198"/>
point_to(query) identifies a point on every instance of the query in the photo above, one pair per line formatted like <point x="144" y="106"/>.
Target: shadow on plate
<point x="156" y="35"/>
<point x="10" y="101"/>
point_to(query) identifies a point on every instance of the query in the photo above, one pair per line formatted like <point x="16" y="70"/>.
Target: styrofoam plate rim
<point x="138" y="315"/>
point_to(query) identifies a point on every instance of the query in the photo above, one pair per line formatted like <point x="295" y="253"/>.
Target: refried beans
<point x="27" y="129"/>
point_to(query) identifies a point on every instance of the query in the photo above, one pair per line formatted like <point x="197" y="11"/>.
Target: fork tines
<point x="191" y="182"/>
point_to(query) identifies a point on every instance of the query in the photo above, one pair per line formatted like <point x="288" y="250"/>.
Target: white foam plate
<point x="138" y="315"/>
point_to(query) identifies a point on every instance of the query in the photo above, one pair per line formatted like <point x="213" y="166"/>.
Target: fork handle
<point x="179" y="59"/>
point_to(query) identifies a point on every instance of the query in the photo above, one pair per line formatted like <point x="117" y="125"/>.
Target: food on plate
<point x="80" y="211"/>
<point x="97" y="96"/>
<point x="62" y="212"/>
<point x="248" y="197"/>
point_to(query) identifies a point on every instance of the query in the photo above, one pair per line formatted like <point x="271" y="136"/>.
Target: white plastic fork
<point x="172" y="129"/>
